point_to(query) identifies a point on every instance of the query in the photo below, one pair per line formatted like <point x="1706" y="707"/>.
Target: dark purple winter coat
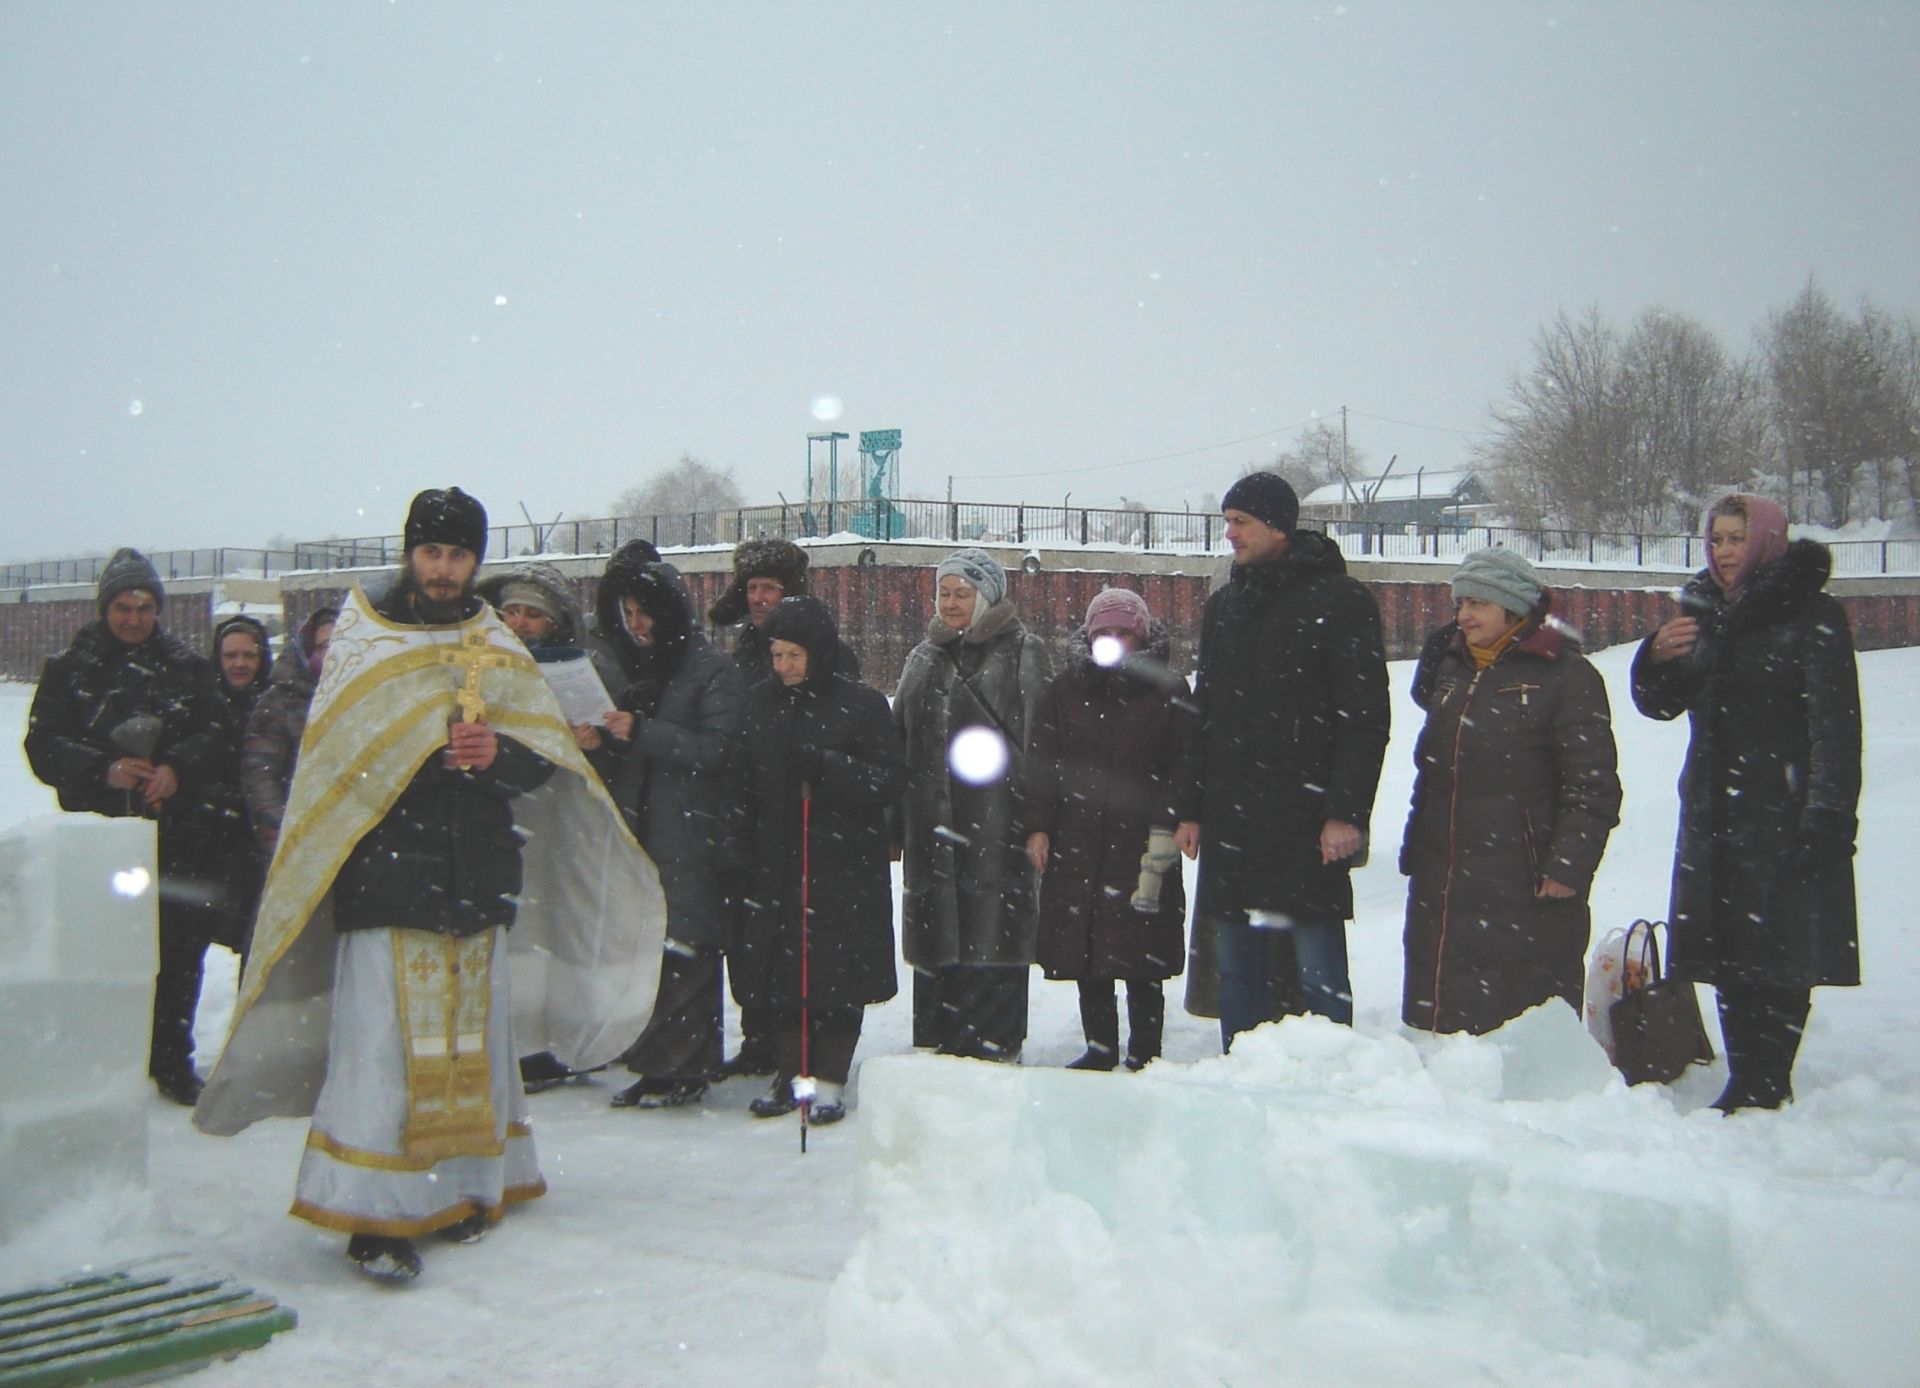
<point x="1100" y="755"/>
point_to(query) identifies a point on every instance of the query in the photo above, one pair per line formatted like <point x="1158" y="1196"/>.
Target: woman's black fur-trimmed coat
<point x="836" y="736"/>
<point x="1515" y="781"/>
<point x="1100" y="758"/>
<point x="1763" y="870"/>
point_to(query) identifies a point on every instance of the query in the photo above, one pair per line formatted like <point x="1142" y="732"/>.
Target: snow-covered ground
<point x="1321" y="1207"/>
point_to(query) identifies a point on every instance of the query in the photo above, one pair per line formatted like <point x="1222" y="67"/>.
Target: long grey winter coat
<point x="971" y="894"/>
<point x="1763" y="871"/>
<point x="1514" y="782"/>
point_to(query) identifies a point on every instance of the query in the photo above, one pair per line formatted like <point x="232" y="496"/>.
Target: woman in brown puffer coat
<point x="1514" y="795"/>
<point x="1100" y="757"/>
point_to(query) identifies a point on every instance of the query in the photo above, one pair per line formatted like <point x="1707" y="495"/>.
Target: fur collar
<point x="1775" y="589"/>
<point x="996" y="621"/>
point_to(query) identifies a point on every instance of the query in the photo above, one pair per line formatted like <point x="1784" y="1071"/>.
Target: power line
<point x="1410" y="424"/>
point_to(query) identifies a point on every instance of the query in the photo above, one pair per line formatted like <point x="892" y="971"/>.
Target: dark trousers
<point x="1257" y="963"/>
<point x="977" y="1010"/>
<point x="1146" y="1016"/>
<point x="756" y="1031"/>
<point x="1761" y="1028"/>
<point x="176" y="992"/>
<point x="833" y="1033"/>
<point x="683" y="1040"/>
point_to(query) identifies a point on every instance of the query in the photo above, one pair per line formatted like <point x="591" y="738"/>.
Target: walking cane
<point x="805" y="1086"/>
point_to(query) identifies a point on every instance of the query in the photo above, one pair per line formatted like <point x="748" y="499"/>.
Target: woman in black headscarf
<point x="679" y="711"/>
<point x="819" y="763"/>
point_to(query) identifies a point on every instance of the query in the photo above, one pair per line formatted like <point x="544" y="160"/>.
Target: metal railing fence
<point x="959" y="522"/>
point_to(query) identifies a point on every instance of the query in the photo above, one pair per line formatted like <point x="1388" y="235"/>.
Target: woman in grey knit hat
<point x="1515" y="793"/>
<point x="966" y="700"/>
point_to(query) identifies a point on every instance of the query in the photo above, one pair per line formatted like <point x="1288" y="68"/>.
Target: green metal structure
<point x="156" y="1317"/>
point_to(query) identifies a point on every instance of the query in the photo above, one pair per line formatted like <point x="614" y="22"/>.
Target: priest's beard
<point x="433" y="611"/>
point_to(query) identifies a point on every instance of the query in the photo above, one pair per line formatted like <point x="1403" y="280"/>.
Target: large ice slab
<point x="1333" y="1206"/>
<point x="78" y="949"/>
<point x="79" y="899"/>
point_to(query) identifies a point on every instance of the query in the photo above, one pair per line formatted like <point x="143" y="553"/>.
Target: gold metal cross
<point x="473" y="652"/>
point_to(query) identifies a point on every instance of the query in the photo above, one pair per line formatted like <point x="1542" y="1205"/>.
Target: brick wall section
<point x="884" y="610"/>
<point x="32" y="631"/>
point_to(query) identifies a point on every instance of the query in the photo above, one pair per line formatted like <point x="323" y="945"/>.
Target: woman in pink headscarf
<point x="1761" y="661"/>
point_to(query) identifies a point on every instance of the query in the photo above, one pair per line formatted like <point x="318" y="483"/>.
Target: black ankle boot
<point x="1097" y="1057"/>
<point x="384" y="1259"/>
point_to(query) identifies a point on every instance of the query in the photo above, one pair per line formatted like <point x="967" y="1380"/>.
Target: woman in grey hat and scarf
<point x="966" y="699"/>
<point x="1515" y="793"/>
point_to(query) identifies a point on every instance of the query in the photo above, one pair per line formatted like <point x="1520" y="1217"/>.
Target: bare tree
<point x="687" y="498"/>
<point x="1316" y="456"/>
<point x="1557" y="441"/>
<point x="1692" y="421"/>
<point x="1837" y="402"/>
<point x="1630" y="432"/>
<point x="1894" y="342"/>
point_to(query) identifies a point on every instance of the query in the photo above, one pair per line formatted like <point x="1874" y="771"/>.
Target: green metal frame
<point x="160" y="1315"/>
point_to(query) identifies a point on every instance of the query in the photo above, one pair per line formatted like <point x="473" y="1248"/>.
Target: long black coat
<point x="445" y="857"/>
<point x="1100" y="761"/>
<point x="1763" y="871"/>
<point x="1515" y="781"/>
<point x="230" y="867"/>
<point x="837" y="734"/>
<point x="271" y="745"/>
<point x="671" y="779"/>
<point x="971" y="895"/>
<point x="94" y="686"/>
<point x="1292" y="693"/>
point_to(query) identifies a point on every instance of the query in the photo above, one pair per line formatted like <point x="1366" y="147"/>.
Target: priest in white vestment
<point x="452" y="888"/>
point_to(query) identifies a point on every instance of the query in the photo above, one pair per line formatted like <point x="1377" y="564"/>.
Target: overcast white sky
<point x="270" y="268"/>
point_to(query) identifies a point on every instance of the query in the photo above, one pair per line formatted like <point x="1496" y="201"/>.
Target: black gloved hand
<point x="641" y="698"/>
<point x="808" y="762"/>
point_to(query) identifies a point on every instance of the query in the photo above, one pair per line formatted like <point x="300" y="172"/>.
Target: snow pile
<point x="1334" y="1206"/>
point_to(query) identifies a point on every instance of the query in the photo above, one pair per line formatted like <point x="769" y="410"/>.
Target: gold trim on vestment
<point x="346" y="1223"/>
<point x="319" y="809"/>
<point x="446" y="996"/>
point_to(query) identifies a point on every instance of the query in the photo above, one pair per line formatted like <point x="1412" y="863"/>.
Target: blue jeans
<point x="1250" y="993"/>
<point x="1326" y="988"/>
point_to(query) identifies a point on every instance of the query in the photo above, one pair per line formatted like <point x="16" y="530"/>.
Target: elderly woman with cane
<point x="1515" y="793"/>
<point x="816" y="768"/>
<point x="1760" y="659"/>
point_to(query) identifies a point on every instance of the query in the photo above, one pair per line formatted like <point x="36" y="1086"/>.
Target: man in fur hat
<point x="440" y="801"/>
<point x="125" y="722"/>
